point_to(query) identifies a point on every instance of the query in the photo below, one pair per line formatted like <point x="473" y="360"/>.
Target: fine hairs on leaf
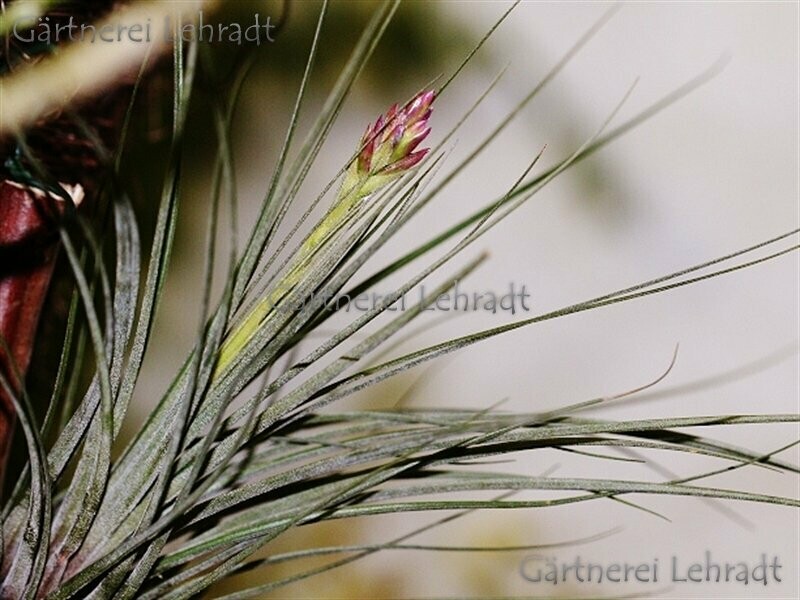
<point x="247" y="443"/>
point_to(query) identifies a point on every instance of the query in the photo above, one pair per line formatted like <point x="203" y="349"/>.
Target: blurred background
<point x="715" y="172"/>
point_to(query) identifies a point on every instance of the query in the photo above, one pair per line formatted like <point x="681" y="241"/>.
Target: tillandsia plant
<point x="245" y="446"/>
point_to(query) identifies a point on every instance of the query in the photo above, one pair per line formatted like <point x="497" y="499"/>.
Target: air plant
<point x="221" y="467"/>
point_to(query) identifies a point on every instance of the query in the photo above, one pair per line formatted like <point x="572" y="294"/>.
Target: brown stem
<point x="28" y="248"/>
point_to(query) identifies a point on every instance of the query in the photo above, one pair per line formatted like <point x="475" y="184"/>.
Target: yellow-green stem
<point x="238" y="339"/>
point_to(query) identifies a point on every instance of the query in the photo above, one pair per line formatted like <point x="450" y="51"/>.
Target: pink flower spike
<point x="404" y="164"/>
<point x="418" y="128"/>
<point x="419" y="109"/>
<point x="389" y="146"/>
<point x="378" y="127"/>
<point x="397" y="134"/>
<point x="417" y="140"/>
<point x="428" y="97"/>
<point x="367" y="150"/>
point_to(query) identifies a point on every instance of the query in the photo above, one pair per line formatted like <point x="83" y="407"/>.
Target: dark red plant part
<point x="65" y="146"/>
<point x="28" y="248"/>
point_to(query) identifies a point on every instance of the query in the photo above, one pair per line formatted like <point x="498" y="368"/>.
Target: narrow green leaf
<point x="27" y="566"/>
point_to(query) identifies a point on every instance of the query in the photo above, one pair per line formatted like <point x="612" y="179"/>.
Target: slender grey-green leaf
<point x="27" y="567"/>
